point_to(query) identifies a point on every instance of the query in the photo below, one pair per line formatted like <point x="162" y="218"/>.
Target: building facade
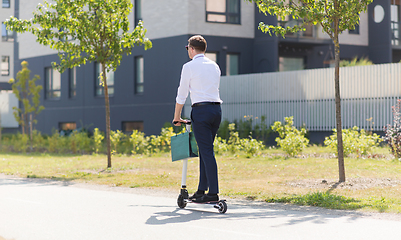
<point x="143" y="88"/>
<point x="6" y="45"/>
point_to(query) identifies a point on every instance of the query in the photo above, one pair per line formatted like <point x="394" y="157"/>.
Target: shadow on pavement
<point x="292" y="214"/>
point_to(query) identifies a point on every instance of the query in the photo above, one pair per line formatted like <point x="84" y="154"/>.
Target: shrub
<point x="393" y="132"/>
<point x="220" y="145"/>
<point x="165" y="139"/>
<point x="154" y="143"/>
<point x="354" y="141"/>
<point x="291" y="140"/>
<point x="97" y="140"/>
<point x="53" y="142"/>
<point x="138" y="142"/>
<point x="20" y="142"/>
<point x="115" y="138"/>
<point x="246" y="127"/>
<point x="234" y="144"/>
<point x="356" y="62"/>
<point x="252" y="146"/>
<point x="38" y="141"/>
<point x="80" y="142"/>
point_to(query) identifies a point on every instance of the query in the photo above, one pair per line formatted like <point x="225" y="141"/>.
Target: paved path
<point x="41" y="209"/>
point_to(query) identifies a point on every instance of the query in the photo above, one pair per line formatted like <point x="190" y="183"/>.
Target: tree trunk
<point x="107" y="104"/>
<point x="340" y="149"/>
<point x="23" y="123"/>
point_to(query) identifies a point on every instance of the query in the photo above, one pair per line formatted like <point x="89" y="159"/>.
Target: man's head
<point x="196" y="44"/>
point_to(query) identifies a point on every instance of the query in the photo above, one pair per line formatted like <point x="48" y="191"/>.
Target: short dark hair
<point x="197" y="42"/>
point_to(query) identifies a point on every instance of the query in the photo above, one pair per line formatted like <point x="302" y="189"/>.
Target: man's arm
<point x="177" y="114"/>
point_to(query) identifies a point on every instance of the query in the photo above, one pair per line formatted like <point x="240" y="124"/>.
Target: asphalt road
<point x="32" y="209"/>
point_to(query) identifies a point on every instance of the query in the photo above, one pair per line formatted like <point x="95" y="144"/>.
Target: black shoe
<point x="196" y="195"/>
<point x="207" y="198"/>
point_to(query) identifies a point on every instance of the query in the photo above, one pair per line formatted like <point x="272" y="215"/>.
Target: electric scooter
<point x="183" y="198"/>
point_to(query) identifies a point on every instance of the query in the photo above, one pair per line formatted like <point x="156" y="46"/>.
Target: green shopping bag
<point x="183" y="146"/>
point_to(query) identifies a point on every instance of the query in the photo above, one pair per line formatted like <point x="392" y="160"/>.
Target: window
<point x="232" y="62"/>
<point x="52" y="83"/>
<point x="395" y="23"/>
<point x="72" y="75"/>
<point x="223" y="11"/>
<point x="65" y="126"/>
<point x="6" y="35"/>
<point x="290" y="64"/>
<point x="212" y="56"/>
<point x="139" y="80"/>
<point x="6" y="4"/>
<point x="138" y="11"/>
<point x="99" y="89"/>
<point x="354" y="31"/>
<point x="131" y="126"/>
<point x="5" y="65"/>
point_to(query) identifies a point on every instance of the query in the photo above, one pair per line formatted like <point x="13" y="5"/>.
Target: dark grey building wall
<point x="265" y="48"/>
<point x="380" y="49"/>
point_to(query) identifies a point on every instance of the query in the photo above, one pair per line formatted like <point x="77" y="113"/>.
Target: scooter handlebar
<point x="187" y="123"/>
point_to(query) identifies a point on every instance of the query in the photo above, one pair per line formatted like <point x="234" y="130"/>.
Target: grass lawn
<point x="272" y="177"/>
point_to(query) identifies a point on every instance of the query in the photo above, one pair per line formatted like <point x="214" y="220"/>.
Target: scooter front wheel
<point x="181" y="202"/>
<point x="222" y="206"/>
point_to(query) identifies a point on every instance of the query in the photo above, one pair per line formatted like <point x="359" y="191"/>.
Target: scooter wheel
<point x="222" y="207"/>
<point x="180" y="202"/>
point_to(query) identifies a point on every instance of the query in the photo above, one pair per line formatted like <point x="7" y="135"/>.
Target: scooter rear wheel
<point x="180" y="202"/>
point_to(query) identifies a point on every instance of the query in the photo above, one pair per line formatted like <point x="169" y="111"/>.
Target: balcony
<point x="395" y="33"/>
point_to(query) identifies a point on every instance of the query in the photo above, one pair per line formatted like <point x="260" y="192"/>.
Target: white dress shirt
<point x="201" y="78"/>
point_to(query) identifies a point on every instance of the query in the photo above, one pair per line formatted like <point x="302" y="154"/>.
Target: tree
<point x="27" y="92"/>
<point x="334" y="16"/>
<point x="85" y="31"/>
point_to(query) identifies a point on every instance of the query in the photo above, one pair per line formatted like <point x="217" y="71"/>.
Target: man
<point x="201" y="77"/>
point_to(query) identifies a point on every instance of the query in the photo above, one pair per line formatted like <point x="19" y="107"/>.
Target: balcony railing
<point x="395" y="33"/>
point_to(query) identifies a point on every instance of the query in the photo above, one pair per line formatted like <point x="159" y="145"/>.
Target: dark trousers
<point x="205" y="123"/>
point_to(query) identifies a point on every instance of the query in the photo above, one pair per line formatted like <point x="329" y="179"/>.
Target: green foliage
<point x="53" y="142"/>
<point x="355" y="62"/>
<point x="320" y="199"/>
<point x="333" y="16"/>
<point x="262" y="131"/>
<point x="290" y="139"/>
<point x="246" y="127"/>
<point x="38" y="141"/>
<point x="220" y="145"/>
<point x="165" y="139"/>
<point x="80" y="142"/>
<point x="393" y="131"/>
<point x="97" y="140"/>
<point x="234" y="144"/>
<point x="85" y="31"/>
<point x="27" y="92"/>
<point x="252" y="146"/>
<point x="223" y="131"/>
<point x="355" y="141"/>
<point x="138" y="142"/>
<point x="116" y="137"/>
<point x="20" y="142"/>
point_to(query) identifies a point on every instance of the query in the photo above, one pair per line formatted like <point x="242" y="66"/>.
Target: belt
<point x="205" y="103"/>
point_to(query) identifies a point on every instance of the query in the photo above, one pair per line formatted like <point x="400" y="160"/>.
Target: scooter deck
<point x="210" y="202"/>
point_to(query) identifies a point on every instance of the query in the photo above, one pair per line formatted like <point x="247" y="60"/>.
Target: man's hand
<point x="177" y="122"/>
